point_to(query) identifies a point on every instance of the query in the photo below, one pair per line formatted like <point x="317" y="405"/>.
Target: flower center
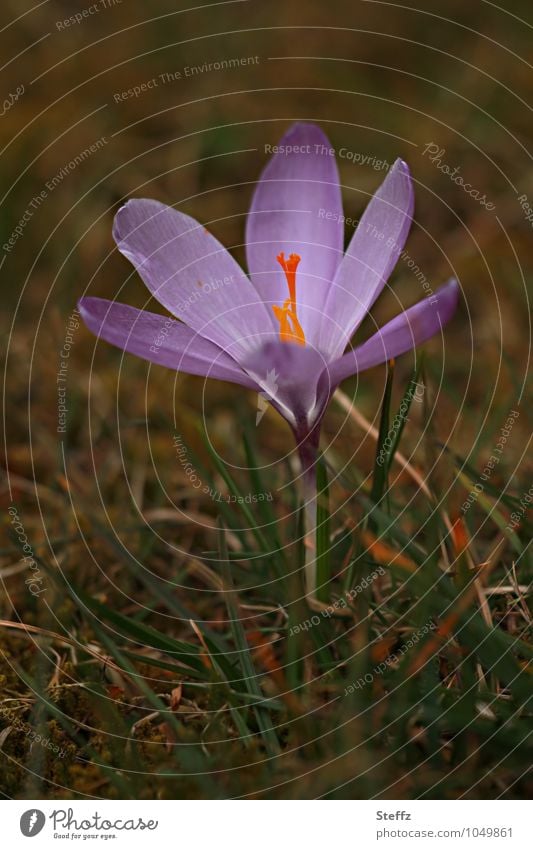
<point x="290" y="329"/>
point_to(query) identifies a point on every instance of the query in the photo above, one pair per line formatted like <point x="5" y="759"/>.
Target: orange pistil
<point x="290" y="329"/>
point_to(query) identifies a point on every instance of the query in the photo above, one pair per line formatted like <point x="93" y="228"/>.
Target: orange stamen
<point x="290" y="329"/>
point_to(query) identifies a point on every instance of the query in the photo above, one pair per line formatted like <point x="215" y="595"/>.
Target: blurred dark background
<point x="381" y="79"/>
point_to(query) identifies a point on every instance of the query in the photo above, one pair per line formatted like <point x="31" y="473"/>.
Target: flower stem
<point x="308" y="453"/>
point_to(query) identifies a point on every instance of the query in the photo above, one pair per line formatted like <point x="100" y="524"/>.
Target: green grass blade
<point x="323" y="557"/>
<point x="264" y="508"/>
<point x="403" y="412"/>
<point x="145" y="635"/>
<point x="234" y="490"/>
<point x="380" y="475"/>
<point x="245" y="661"/>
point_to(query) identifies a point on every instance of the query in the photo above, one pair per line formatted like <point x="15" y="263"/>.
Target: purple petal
<point x="291" y="377"/>
<point x="160" y="340"/>
<point x="403" y="333"/>
<point x="192" y="275"/>
<point x="297" y="208"/>
<point x="372" y="254"/>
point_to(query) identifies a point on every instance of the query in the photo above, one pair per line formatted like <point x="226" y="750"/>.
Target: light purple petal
<point x="297" y="208"/>
<point x="369" y="260"/>
<point x="291" y="377"/>
<point x="192" y="275"/>
<point x="406" y="331"/>
<point x="160" y="340"/>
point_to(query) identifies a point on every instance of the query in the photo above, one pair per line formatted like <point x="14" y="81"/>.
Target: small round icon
<point x="32" y="822"/>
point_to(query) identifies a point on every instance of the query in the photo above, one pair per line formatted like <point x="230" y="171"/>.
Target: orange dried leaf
<point x="460" y="535"/>
<point x="115" y="692"/>
<point x="175" y="697"/>
<point x="385" y="554"/>
<point x="381" y="650"/>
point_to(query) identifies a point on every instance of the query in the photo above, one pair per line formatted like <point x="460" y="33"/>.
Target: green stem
<point x="308" y="453"/>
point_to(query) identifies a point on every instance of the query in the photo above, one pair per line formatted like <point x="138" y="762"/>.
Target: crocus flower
<point x="284" y="330"/>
